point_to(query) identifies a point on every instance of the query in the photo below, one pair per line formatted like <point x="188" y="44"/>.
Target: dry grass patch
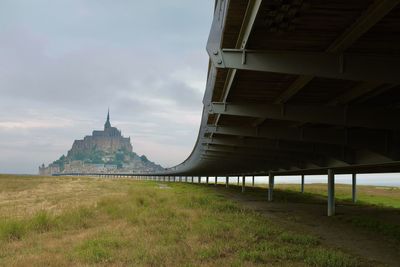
<point x="140" y="224"/>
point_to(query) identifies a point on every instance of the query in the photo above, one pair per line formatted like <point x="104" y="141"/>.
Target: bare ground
<point x="333" y="231"/>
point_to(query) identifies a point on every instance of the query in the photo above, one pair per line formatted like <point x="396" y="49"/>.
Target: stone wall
<point x="109" y="140"/>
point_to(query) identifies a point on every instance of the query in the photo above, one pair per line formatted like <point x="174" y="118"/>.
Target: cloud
<point x="62" y="63"/>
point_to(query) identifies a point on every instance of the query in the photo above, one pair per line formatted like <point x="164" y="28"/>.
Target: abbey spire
<point x="107" y="124"/>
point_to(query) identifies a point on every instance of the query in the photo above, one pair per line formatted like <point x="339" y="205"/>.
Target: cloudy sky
<point x="64" y="62"/>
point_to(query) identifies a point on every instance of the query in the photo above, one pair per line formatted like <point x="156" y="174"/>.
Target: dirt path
<point x="311" y="218"/>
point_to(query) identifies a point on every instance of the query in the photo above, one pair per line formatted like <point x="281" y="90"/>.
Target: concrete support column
<point x="199" y="179"/>
<point x="252" y="181"/>
<point x="174" y="179"/>
<point x="302" y="183"/>
<point x="227" y="181"/>
<point x="207" y="180"/>
<point x="216" y="180"/>
<point x="185" y="179"/>
<point x="331" y="192"/>
<point x="271" y="183"/>
<point x="243" y="183"/>
<point x="354" y="187"/>
<point x="238" y="180"/>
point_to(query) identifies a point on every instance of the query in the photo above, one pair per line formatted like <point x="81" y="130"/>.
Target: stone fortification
<point x="103" y="151"/>
<point x="110" y="141"/>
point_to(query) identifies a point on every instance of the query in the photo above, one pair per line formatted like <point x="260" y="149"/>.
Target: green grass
<point x="141" y="224"/>
<point x="323" y="257"/>
<point x="384" y="196"/>
<point x="102" y="248"/>
<point x="12" y="229"/>
<point x="42" y="222"/>
<point x="388" y="229"/>
<point x="379" y="203"/>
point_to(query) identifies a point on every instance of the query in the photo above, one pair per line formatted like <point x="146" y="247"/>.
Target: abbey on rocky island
<point x="109" y="140"/>
<point x="105" y="151"/>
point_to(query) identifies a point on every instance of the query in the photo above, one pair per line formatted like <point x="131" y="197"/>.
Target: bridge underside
<point x="300" y="87"/>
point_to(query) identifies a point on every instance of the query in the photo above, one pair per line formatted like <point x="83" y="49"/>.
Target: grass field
<point x="385" y="196"/>
<point x="71" y="221"/>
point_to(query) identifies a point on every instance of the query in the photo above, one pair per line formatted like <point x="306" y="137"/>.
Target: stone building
<point x="50" y="170"/>
<point x="110" y="140"/>
<point x="105" y="151"/>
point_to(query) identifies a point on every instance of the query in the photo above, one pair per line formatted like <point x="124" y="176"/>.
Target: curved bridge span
<point x="300" y="87"/>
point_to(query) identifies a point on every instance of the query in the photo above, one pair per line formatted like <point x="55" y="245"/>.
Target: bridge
<point x="299" y="87"/>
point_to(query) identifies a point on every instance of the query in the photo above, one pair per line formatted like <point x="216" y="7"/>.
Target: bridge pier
<point x="227" y="181"/>
<point x="354" y="187"/>
<point x="207" y="180"/>
<point x="302" y="183"/>
<point x="331" y="192"/>
<point x="199" y="180"/>
<point x="271" y="183"/>
<point x="216" y="180"/>
<point x="252" y="181"/>
<point x="243" y="183"/>
<point x="238" y="180"/>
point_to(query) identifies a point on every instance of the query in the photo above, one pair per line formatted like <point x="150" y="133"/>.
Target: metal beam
<point x="270" y="154"/>
<point x="233" y="161"/>
<point x="293" y="89"/>
<point x="249" y="18"/>
<point x="377" y="91"/>
<point x="283" y="133"/>
<point x="371" y="145"/>
<point x="357" y="91"/>
<point x="356" y="67"/>
<point x="376" y="11"/>
<point x="375" y="118"/>
<point x="332" y="151"/>
<point x="262" y="156"/>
